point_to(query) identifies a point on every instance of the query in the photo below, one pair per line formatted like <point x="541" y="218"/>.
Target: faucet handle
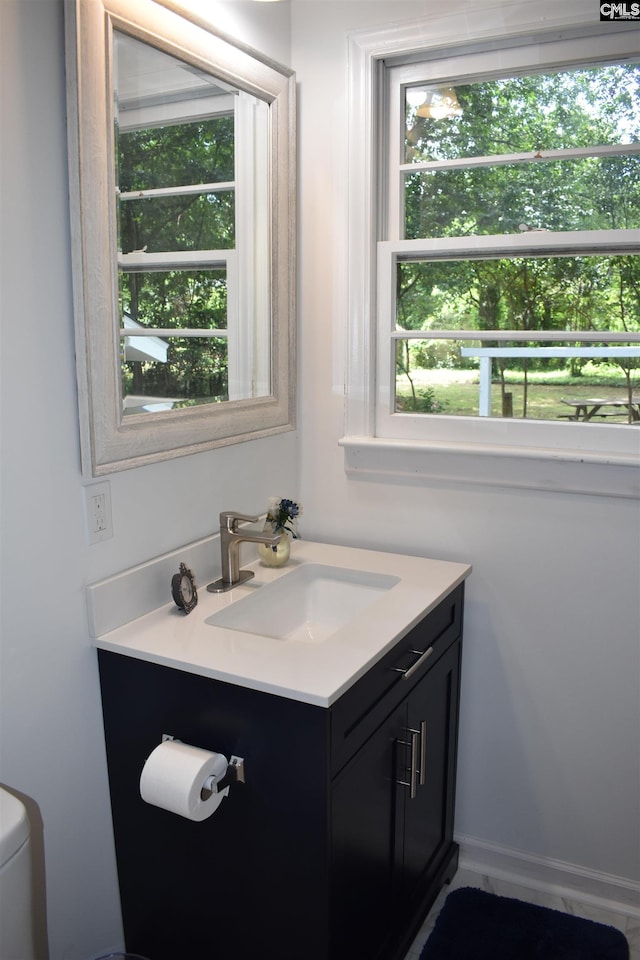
<point x="229" y="520"/>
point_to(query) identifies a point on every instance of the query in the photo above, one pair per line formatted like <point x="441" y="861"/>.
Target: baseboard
<point x="551" y="876"/>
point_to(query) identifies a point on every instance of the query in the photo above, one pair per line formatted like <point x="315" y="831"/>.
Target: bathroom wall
<point x="548" y="761"/>
<point x="50" y="723"/>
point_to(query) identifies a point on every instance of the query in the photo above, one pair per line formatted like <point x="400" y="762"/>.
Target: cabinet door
<point x="428" y="817"/>
<point x="366" y="844"/>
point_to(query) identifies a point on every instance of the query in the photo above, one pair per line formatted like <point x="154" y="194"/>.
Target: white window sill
<point x="529" y="468"/>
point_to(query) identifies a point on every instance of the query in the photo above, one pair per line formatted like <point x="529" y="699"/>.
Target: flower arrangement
<point x="283" y="515"/>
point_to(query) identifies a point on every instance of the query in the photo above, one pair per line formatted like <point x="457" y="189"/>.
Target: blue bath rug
<point x="474" y="925"/>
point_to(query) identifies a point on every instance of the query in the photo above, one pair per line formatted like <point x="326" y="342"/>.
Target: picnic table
<point x="586" y="408"/>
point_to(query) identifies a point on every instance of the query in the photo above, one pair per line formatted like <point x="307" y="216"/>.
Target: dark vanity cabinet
<point x="342" y="835"/>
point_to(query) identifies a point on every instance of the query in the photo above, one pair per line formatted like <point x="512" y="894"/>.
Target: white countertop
<point x="312" y="672"/>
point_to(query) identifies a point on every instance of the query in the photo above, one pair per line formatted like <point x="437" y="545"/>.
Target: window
<point x="505" y="275"/>
<point x="511" y="214"/>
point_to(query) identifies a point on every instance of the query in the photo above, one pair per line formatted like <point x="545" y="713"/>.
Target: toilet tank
<point x="16" y="928"/>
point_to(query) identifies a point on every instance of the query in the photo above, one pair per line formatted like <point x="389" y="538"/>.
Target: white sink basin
<point x="346" y="606"/>
<point x="308" y="604"/>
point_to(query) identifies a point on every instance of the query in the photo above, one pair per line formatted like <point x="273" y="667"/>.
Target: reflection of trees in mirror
<point x="181" y="155"/>
<point x="195" y="368"/>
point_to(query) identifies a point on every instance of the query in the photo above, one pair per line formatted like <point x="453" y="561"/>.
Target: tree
<point x="200" y="152"/>
<point x="528" y="115"/>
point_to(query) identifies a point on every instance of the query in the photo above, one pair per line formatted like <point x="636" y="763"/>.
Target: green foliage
<point x="524" y="116"/>
<point x="528" y="115"/>
<point x="187" y="154"/>
<point x="199" y="151"/>
<point x="545" y="392"/>
<point x="521" y="293"/>
<point x="420" y="401"/>
<point x="195" y="368"/>
<point x="531" y="114"/>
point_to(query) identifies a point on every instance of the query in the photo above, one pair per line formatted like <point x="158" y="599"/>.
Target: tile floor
<point x="630" y="926"/>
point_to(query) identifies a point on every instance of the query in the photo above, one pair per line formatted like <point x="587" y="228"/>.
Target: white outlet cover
<point x="97" y="532"/>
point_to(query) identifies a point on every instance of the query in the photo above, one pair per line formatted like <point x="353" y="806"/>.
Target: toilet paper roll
<point x="176" y="773"/>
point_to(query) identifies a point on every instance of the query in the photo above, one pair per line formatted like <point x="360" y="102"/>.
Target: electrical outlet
<point x="97" y="504"/>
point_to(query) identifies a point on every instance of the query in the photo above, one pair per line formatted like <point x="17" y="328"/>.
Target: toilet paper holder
<point x="233" y="774"/>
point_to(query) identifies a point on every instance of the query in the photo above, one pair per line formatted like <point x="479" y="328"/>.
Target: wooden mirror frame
<point x="109" y="441"/>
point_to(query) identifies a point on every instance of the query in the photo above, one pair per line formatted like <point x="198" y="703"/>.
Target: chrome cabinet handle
<point x="418" y="769"/>
<point x="412" y="782"/>
<point x="423" y="752"/>
<point x="409" y="671"/>
<point x="413" y="789"/>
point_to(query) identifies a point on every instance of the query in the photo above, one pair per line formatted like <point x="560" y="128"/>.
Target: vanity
<point x="342" y="835"/>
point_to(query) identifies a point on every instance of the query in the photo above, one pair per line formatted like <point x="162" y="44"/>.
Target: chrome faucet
<point x="230" y="540"/>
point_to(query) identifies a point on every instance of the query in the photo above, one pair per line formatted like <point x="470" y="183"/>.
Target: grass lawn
<point x="456" y="392"/>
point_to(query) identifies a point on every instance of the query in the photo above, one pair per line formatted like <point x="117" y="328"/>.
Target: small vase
<point x="277" y="555"/>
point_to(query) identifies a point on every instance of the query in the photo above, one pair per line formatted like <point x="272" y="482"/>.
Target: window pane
<point x="186" y="222"/>
<point x="594" y="193"/>
<point x="522" y="293"/>
<point x="176" y="155"/>
<point x="520" y="114"/>
<point x="444" y="377"/>
<point x="186" y="370"/>
<point x="184" y="299"/>
<point x="194" y="372"/>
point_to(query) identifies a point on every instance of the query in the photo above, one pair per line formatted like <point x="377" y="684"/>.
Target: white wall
<point x="549" y="760"/>
<point x="549" y="745"/>
<point x="50" y="725"/>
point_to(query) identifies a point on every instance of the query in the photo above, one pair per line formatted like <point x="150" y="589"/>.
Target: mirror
<point x="182" y="170"/>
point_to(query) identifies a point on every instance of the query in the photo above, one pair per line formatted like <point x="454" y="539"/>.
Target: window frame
<point x="555" y="41"/>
